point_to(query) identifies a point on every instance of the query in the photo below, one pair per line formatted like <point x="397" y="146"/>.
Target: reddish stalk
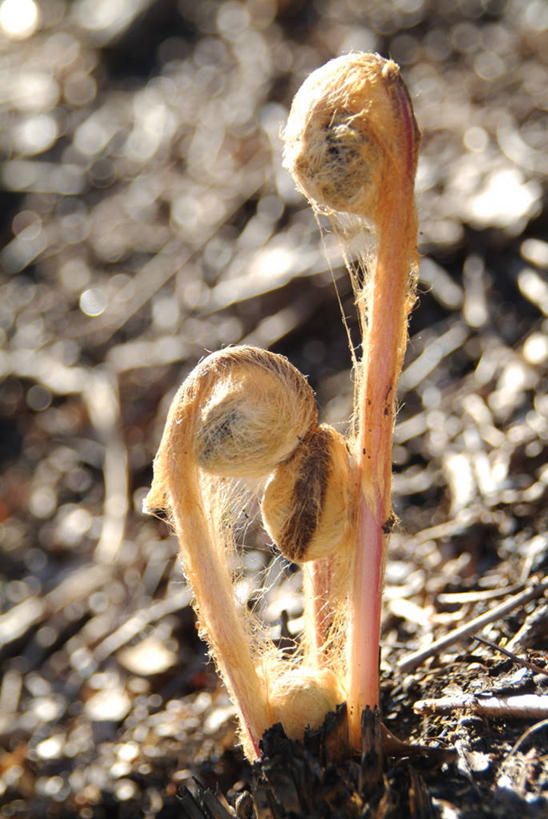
<point x="384" y="347"/>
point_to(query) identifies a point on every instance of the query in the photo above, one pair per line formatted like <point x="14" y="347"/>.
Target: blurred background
<point x="146" y="219"/>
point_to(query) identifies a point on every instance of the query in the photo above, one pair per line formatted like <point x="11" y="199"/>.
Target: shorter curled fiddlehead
<point x="239" y="413"/>
<point x="246" y="413"/>
<point x="258" y="410"/>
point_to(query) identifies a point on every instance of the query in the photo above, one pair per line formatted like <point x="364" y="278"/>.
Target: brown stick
<point x="518" y="660"/>
<point x="532" y="730"/>
<point x="522" y="706"/>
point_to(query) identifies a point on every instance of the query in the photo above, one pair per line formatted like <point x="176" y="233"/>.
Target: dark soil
<point x="146" y="218"/>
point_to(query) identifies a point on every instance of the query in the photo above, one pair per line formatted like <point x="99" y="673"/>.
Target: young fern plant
<point x="247" y="415"/>
<point x="351" y="144"/>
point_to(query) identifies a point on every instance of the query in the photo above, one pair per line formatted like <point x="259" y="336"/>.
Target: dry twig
<point x="519" y="660"/>
<point x="415" y="659"/>
<point x="522" y="706"/>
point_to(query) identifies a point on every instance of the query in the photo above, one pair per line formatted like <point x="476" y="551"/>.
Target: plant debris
<point x="147" y="220"/>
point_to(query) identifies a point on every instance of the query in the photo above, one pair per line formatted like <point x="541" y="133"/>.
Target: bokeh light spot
<point x="19" y="19"/>
<point x="38" y="398"/>
<point x="93" y="302"/>
<point x="35" y="134"/>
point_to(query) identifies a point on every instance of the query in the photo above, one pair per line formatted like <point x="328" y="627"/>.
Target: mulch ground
<point x="146" y="218"/>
